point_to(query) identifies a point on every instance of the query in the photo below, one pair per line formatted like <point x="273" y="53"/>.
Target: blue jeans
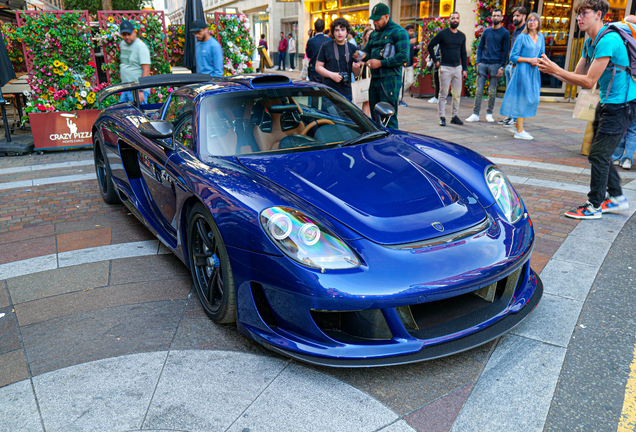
<point x="484" y="72"/>
<point x="508" y="72"/>
<point x="627" y="145"/>
<point x="281" y="59"/>
<point x="128" y="96"/>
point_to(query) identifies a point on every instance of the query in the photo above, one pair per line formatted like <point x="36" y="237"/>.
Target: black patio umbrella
<point x="193" y="11"/>
<point x="6" y="74"/>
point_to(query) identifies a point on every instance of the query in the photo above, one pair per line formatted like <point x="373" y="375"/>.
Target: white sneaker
<point x="489" y="118"/>
<point x="617" y="161"/>
<point x="523" y="135"/>
<point x="627" y="164"/>
<point x="473" y="118"/>
<point x="433" y="100"/>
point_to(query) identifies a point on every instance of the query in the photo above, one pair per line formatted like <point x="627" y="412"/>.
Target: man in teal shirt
<point x="614" y="113"/>
<point x="134" y="60"/>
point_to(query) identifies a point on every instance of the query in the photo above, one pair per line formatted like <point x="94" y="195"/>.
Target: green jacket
<point x="391" y="33"/>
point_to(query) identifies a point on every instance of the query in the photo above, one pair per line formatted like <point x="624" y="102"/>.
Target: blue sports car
<point x="325" y="236"/>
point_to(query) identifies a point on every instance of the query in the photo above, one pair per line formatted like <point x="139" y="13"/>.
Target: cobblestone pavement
<point x="60" y="309"/>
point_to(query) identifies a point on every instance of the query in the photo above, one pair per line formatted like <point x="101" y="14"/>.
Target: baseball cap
<point x="379" y="11"/>
<point x="198" y="25"/>
<point x="126" y="27"/>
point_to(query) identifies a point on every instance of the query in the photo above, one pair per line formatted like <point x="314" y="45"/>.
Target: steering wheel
<point x="315" y="123"/>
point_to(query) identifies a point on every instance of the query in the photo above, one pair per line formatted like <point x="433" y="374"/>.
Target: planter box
<point x="62" y="130"/>
<point x="425" y="87"/>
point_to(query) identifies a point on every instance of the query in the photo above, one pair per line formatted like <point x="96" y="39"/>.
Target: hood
<point x="386" y="190"/>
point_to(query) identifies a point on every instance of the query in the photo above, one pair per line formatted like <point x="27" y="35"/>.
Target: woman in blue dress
<point x="522" y="94"/>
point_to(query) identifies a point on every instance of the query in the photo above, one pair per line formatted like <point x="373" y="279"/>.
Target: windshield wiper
<point x="363" y="137"/>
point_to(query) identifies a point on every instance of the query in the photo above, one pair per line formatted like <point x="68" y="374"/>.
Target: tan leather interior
<point x="270" y="140"/>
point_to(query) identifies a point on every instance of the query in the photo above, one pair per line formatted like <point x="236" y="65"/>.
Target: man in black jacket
<point x="452" y="68"/>
<point x="312" y="49"/>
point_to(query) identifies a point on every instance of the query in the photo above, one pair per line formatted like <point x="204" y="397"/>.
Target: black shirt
<point x="452" y="46"/>
<point x="312" y="48"/>
<point x="328" y="57"/>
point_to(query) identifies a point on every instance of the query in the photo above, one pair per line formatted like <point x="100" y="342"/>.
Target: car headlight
<point x="305" y="240"/>
<point x="505" y="195"/>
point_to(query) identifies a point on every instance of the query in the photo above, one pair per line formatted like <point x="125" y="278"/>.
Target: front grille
<point x="353" y="326"/>
<point x="262" y="305"/>
<point x="452" y="315"/>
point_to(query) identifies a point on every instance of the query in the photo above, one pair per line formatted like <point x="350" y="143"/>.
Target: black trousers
<point x="436" y="78"/>
<point x="610" y="123"/>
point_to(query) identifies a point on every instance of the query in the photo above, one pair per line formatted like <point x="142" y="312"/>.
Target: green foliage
<point x="92" y="6"/>
<point x="63" y="76"/>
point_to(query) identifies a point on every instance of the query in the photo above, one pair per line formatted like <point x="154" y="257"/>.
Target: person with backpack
<point x="608" y="57"/>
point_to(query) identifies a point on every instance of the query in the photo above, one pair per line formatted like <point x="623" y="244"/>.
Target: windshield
<point x="272" y="120"/>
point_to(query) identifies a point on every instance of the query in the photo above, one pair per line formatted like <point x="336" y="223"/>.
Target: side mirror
<point x="156" y="129"/>
<point x="383" y="112"/>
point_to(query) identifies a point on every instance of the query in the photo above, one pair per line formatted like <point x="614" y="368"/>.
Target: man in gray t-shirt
<point x="134" y="60"/>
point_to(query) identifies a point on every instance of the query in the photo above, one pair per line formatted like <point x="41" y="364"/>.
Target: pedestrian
<point x="491" y="58"/>
<point x="435" y="72"/>
<point x="521" y="99"/>
<point x="312" y="48"/>
<point x="519" y="15"/>
<point x="291" y="49"/>
<point x="386" y="69"/>
<point x="335" y="59"/>
<point x="452" y="67"/>
<point x="282" y="51"/>
<point x="365" y="72"/>
<point x="262" y="43"/>
<point x="134" y="58"/>
<point x="208" y="51"/>
<point x="624" y="154"/>
<point x="407" y="71"/>
<point x="615" y="112"/>
<point x="327" y="33"/>
<point x="351" y="37"/>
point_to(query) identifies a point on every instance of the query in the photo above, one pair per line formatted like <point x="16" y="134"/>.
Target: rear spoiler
<point x="174" y="80"/>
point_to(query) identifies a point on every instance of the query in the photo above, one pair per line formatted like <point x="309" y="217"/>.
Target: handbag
<point x="409" y="77"/>
<point x="305" y="72"/>
<point x="586" y="103"/>
<point x="360" y="87"/>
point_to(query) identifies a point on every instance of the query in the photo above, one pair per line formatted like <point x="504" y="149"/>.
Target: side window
<point x="178" y="109"/>
<point x="183" y="133"/>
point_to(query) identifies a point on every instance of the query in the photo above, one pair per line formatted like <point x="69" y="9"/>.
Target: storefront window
<point x="436" y="8"/>
<point x="408" y="11"/>
<point x="315" y="6"/>
<point x="616" y="11"/>
<point x="357" y="18"/>
<point x="353" y="3"/>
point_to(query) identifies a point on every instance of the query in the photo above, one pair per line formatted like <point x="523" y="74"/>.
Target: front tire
<point x="104" y="176"/>
<point x="210" y="267"/>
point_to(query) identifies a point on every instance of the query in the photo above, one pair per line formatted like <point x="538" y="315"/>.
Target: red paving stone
<point x="26" y="249"/>
<point x="27" y="234"/>
<point x="83" y="239"/>
<point x="438" y="416"/>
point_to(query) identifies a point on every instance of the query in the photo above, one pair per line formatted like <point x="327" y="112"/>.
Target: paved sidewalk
<point x="102" y="331"/>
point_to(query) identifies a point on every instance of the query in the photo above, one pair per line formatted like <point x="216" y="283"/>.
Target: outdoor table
<point x="17" y="87"/>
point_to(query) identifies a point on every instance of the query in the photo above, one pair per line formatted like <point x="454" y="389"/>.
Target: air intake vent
<point x="262" y="305"/>
<point x="270" y="80"/>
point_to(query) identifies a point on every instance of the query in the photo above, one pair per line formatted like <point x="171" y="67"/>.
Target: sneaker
<point x="442" y="121"/>
<point x="402" y="103"/>
<point x="614" y="204"/>
<point x="504" y="121"/>
<point x="586" y="211"/>
<point x="523" y="135"/>
<point x="489" y="118"/>
<point x="617" y="161"/>
<point x="627" y="164"/>
<point x="433" y="100"/>
<point x="457" y="121"/>
<point x="473" y="118"/>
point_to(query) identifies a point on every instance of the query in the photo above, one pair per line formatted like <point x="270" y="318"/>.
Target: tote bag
<point x="360" y="87"/>
<point x="586" y="103"/>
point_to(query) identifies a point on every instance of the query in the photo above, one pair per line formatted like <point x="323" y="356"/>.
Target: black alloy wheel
<point x="104" y="176"/>
<point x="210" y="266"/>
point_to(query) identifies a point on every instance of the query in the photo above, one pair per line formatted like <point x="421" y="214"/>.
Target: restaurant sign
<point x="62" y="130"/>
